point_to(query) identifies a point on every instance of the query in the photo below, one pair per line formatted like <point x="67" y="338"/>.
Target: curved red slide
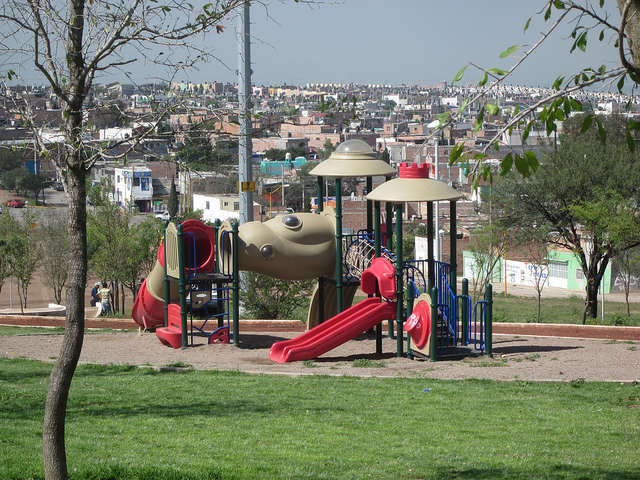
<point x="335" y="331"/>
<point x="148" y="309"/>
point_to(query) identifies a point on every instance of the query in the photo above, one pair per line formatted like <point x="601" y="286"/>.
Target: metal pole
<point x="433" y="340"/>
<point x="453" y="248"/>
<point x="430" y="242"/>
<point x="376" y="243"/>
<point x="183" y="287"/>
<point x="410" y="299"/>
<point x="488" y="328"/>
<point x="236" y="283"/>
<point x="319" y="195"/>
<point x="464" y="312"/>
<point x="438" y="255"/>
<point x="339" y="243"/>
<point x="320" y="200"/>
<point x="389" y="216"/>
<point x="167" y="287"/>
<point x="399" y="280"/>
<point x="369" y="206"/>
<point x="377" y="235"/>
<point x="245" y="171"/>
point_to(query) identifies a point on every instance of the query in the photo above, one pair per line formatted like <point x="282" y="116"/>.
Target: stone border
<point x="532" y="329"/>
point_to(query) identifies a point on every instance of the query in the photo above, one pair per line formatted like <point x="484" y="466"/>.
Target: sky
<point x="411" y="42"/>
<point x="397" y="42"/>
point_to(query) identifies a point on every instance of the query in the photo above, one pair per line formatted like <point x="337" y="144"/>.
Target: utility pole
<point x="245" y="170"/>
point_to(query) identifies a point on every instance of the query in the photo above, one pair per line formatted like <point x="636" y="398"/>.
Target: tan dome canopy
<point x="353" y="158"/>
<point x="413" y="185"/>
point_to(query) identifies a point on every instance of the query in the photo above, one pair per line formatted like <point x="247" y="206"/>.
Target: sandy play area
<point x="515" y="357"/>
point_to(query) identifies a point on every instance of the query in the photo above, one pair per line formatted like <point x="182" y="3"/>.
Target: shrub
<point x="269" y="298"/>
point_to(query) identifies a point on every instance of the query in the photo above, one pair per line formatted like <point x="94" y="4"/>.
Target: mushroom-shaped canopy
<point x="353" y="158"/>
<point x="413" y="185"/>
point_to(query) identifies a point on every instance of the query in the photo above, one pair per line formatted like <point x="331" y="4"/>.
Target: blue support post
<point x="433" y="341"/>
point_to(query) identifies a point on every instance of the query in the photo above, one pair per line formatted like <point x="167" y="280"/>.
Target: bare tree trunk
<point x="627" y="289"/>
<point x="591" y="304"/>
<point x="122" y="297"/>
<point x="53" y="435"/>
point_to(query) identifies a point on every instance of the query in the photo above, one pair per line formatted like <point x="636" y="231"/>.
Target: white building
<point x="133" y="188"/>
<point x="222" y="207"/>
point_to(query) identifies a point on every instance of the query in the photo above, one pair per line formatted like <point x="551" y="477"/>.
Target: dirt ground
<point x="515" y="357"/>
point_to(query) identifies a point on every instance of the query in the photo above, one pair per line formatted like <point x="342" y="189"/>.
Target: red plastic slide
<point x="335" y="331"/>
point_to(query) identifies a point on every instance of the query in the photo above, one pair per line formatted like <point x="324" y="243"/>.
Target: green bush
<point x="268" y="298"/>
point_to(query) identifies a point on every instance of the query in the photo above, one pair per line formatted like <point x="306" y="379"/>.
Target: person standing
<point x="95" y="298"/>
<point x="104" y="298"/>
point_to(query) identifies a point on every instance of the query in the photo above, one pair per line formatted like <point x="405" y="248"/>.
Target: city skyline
<point x="412" y="42"/>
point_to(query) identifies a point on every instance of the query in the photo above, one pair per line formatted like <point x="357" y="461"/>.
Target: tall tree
<point x="70" y="42"/>
<point x="487" y="247"/>
<point x="533" y="243"/>
<point x="172" y="202"/>
<point x="628" y="267"/>
<point x="586" y="194"/>
<point x="139" y="251"/>
<point x="10" y="160"/>
<point x="53" y="248"/>
<point x="5" y="232"/>
<point x="34" y="184"/>
<point x="23" y="256"/>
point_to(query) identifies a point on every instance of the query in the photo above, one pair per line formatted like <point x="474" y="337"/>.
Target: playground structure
<point x="378" y="279"/>
<point x="198" y="271"/>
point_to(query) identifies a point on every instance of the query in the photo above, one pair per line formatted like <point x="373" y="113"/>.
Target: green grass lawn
<point x="11" y="330"/>
<point x="560" y="310"/>
<point x="130" y="423"/>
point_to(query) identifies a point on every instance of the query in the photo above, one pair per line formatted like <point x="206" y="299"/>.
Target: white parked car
<point x="163" y="215"/>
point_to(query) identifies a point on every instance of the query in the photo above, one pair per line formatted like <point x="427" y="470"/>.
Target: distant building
<point x="133" y="188"/>
<point x="220" y="207"/>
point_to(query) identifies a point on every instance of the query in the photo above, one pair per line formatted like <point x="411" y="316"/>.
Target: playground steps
<point x="171" y="335"/>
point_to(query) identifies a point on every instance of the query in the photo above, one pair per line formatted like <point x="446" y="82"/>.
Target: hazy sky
<point x="399" y="41"/>
<point x="387" y="42"/>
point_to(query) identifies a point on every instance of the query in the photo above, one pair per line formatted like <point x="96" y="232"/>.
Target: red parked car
<point x="15" y="203"/>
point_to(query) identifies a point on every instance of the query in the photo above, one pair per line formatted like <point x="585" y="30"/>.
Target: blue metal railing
<point x="478" y="336"/>
<point x="215" y="308"/>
